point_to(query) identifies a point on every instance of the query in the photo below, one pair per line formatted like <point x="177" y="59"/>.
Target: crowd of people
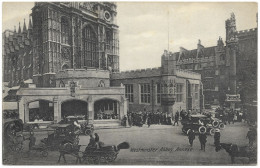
<point x="35" y="115"/>
<point x="149" y="118"/>
<point x="229" y="116"/>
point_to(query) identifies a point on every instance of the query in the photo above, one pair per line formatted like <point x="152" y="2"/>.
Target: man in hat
<point x="203" y="140"/>
<point x="217" y="137"/>
<point x="251" y="135"/>
<point x="191" y="137"/>
<point x="176" y="118"/>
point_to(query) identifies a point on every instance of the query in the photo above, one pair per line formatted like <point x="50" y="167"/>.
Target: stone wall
<point x="83" y="77"/>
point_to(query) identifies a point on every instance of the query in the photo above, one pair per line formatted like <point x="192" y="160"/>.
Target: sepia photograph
<point x="129" y="83"/>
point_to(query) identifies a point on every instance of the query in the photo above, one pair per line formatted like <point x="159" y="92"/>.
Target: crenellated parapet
<point x="247" y="33"/>
<point x="139" y="73"/>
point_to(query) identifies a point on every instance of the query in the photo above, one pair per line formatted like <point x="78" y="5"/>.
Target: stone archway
<point x="106" y="108"/>
<point x="42" y="110"/>
<point x="74" y="108"/>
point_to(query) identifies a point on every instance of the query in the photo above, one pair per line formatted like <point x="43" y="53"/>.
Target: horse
<point x="235" y="151"/>
<point x="70" y="149"/>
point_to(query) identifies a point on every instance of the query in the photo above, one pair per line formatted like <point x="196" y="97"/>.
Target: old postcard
<point x="129" y="83"/>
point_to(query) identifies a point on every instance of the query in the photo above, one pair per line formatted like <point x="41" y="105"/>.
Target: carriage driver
<point x="76" y="123"/>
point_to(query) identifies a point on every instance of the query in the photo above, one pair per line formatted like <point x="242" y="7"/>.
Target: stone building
<point x="166" y="88"/>
<point x="227" y="68"/>
<point x="67" y="63"/>
<point x="61" y="64"/>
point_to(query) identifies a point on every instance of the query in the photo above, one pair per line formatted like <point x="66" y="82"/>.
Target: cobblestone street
<point x="159" y="144"/>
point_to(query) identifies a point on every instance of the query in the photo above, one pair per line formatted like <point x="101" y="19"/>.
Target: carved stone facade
<point x="64" y="35"/>
<point x="225" y="69"/>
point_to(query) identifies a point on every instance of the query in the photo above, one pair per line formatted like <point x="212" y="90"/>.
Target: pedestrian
<point x="203" y="140"/>
<point x="124" y="120"/>
<point x="176" y="118"/>
<point x="217" y="137"/>
<point x="251" y="135"/>
<point x="191" y="137"/>
<point x="149" y="121"/>
<point x="130" y="120"/>
<point x="32" y="140"/>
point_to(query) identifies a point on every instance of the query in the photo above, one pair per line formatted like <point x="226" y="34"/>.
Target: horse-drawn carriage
<point x="13" y="135"/>
<point x="12" y="138"/>
<point x="201" y="124"/>
<point x="58" y="133"/>
<point x="92" y="155"/>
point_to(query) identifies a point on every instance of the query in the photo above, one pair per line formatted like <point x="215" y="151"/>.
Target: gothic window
<point x="179" y="92"/>
<point x="159" y="92"/>
<point x="129" y="93"/>
<point x="108" y="41"/>
<point x="145" y="93"/>
<point x="222" y="57"/>
<point x="65" y="66"/>
<point x="90" y="47"/>
<point x="101" y="84"/>
<point x="64" y="31"/>
<point x="61" y="84"/>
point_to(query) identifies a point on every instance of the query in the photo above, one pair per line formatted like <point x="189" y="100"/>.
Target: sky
<point x="145" y="27"/>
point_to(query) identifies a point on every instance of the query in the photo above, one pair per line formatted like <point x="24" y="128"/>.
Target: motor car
<point x="80" y="124"/>
<point x="58" y="133"/>
<point x="201" y="124"/>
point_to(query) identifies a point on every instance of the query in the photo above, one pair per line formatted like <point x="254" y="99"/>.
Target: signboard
<point x="233" y="98"/>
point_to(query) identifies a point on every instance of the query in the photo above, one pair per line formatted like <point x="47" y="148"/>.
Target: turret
<point x="19" y="29"/>
<point x="24" y="27"/>
<point x="231" y="28"/>
<point x="220" y="43"/>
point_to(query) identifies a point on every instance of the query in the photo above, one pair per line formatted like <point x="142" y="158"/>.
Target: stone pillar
<point x="91" y="112"/>
<point x="56" y="110"/>
<point x="21" y="110"/>
<point x="26" y="112"/>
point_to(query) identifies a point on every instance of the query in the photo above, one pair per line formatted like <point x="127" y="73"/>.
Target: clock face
<point x="107" y="16"/>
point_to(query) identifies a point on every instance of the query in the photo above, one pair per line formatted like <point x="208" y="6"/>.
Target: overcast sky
<point x="144" y="26"/>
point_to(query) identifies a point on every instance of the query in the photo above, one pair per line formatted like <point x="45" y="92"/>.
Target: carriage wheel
<point x="96" y="159"/>
<point x="87" y="160"/>
<point x="221" y="126"/>
<point x="188" y="131"/>
<point x="202" y="129"/>
<point x="88" y="132"/>
<point x="215" y="124"/>
<point x="111" y="157"/>
<point x="212" y="131"/>
<point x="44" y="153"/>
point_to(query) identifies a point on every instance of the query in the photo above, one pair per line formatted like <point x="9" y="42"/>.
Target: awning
<point x="28" y="81"/>
<point x="15" y="88"/>
<point x="10" y="106"/>
<point x="193" y="81"/>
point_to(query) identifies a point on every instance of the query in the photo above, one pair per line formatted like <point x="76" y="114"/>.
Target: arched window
<point x="64" y="31"/>
<point x="65" y="66"/>
<point x="109" y="41"/>
<point x="90" y="47"/>
<point x="101" y="83"/>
